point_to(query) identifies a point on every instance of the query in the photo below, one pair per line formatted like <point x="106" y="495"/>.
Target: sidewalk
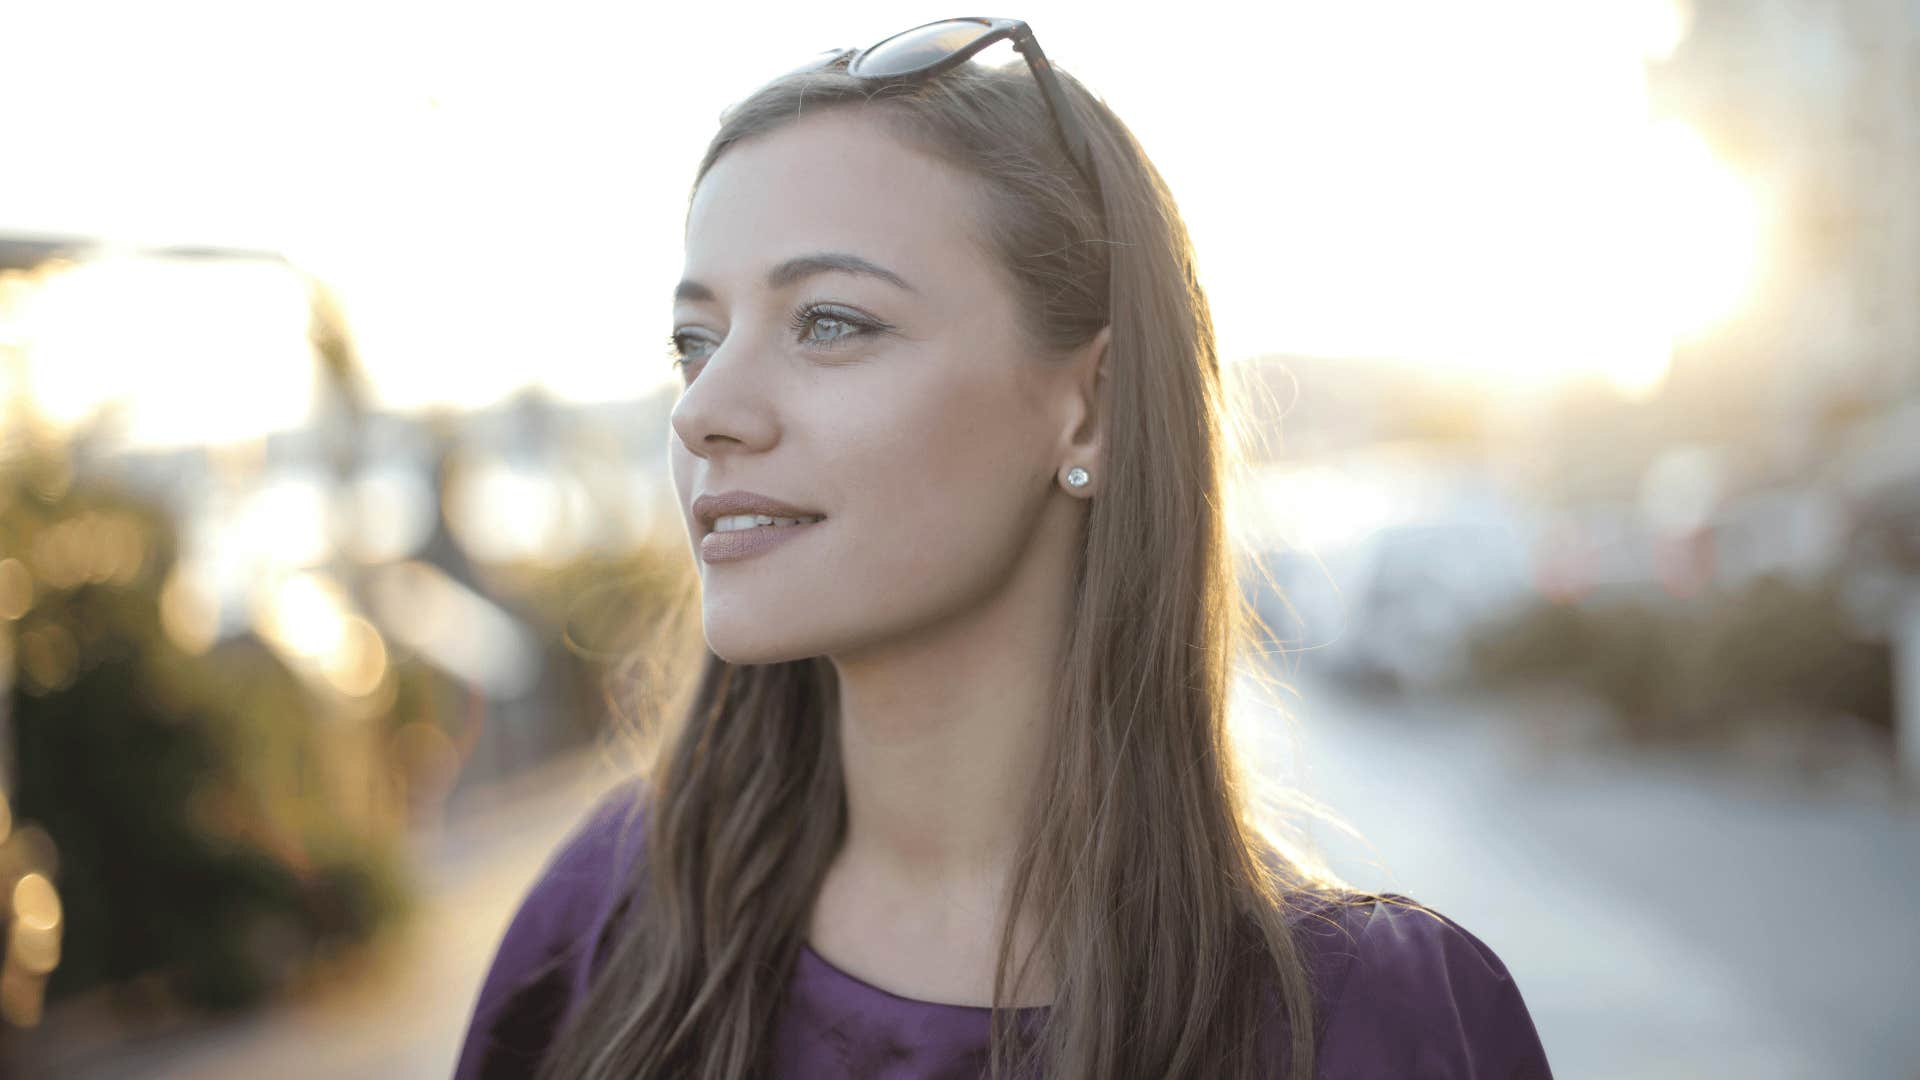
<point x="1663" y="919"/>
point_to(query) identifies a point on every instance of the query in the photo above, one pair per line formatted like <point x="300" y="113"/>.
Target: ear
<point x="1084" y="438"/>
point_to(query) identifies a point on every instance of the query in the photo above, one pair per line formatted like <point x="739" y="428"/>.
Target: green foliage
<point x="191" y="837"/>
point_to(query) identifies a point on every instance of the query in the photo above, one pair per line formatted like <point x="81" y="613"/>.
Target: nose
<point x="725" y="405"/>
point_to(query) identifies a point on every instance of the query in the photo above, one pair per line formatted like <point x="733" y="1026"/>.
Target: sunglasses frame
<point x="1072" y="134"/>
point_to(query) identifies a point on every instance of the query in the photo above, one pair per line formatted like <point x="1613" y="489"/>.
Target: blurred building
<point x="1813" y="389"/>
<point x="1817" y="101"/>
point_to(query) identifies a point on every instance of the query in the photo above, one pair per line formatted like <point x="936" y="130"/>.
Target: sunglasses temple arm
<point x="1056" y="98"/>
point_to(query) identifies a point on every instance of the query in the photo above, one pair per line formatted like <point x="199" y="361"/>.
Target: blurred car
<point x="1393" y="609"/>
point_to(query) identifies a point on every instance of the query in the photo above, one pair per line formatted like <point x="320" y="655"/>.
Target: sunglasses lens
<point x="919" y="47"/>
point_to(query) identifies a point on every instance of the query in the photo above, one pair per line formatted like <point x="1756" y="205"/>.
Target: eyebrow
<point x="804" y="266"/>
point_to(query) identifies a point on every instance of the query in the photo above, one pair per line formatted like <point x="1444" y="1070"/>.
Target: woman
<point x="960" y="737"/>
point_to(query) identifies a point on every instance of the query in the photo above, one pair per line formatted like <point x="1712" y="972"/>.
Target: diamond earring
<point x="1077" y="477"/>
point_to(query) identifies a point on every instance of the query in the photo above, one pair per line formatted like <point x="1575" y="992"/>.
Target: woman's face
<point x="902" y="403"/>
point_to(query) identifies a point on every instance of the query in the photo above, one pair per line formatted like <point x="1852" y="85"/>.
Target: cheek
<point x="942" y="480"/>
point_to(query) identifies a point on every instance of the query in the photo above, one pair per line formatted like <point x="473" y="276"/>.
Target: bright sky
<point x="496" y="192"/>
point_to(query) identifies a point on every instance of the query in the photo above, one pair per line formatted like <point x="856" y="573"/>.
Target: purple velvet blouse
<point x="1401" y="994"/>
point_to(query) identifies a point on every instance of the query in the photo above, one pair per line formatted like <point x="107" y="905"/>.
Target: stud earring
<point x="1077" y="477"/>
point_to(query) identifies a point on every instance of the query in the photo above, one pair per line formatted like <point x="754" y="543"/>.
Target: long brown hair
<point x="1164" y="907"/>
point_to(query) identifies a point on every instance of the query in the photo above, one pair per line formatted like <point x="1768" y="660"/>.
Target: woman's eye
<point x="827" y="327"/>
<point x="834" y="327"/>
<point x="684" y="348"/>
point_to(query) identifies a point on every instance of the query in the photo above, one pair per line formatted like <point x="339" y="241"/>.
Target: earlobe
<point x="1091" y="433"/>
<point x="1082" y="399"/>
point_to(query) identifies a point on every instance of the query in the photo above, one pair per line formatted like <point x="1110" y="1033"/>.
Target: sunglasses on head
<point x="925" y="51"/>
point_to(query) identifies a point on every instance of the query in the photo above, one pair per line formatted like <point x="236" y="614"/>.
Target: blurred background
<point x="1578" y="345"/>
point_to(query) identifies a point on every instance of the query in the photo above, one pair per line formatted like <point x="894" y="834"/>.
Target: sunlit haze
<point x="497" y="196"/>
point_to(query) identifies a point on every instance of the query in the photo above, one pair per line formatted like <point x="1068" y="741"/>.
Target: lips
<point x="709" y="508"/>
<point x="734" y="544"/>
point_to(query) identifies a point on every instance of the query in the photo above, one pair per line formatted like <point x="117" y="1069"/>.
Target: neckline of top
<point x="834" y="970"/>
<point x="812" y="956"/>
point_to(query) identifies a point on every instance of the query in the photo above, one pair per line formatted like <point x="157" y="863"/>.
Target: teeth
<point x="733" y="522"/>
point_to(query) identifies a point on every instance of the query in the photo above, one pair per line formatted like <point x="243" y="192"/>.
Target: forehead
<point x="833" y="180"/>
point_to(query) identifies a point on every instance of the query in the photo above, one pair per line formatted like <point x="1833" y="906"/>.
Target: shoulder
<point x="1407" y="991"/>
<point x="542" y="963"/>
<point x="594" y="856"/>
<point x="578" y="881"/>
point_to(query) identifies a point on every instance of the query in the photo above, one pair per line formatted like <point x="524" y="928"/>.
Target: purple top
<point x="1402" y="993"/>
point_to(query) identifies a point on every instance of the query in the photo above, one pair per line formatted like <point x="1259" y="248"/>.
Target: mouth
<point x="741" y="522"/>
<point x="732" y="511"/>
<point x="746" y="535"/>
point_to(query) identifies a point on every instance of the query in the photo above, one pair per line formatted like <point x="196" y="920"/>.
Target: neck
<point x="941" y="738"/>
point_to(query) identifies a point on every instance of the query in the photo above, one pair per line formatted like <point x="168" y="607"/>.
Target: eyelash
<point x="798" y="322"/>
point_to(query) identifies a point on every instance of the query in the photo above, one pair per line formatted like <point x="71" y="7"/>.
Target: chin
<point x="755" y="644"/>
